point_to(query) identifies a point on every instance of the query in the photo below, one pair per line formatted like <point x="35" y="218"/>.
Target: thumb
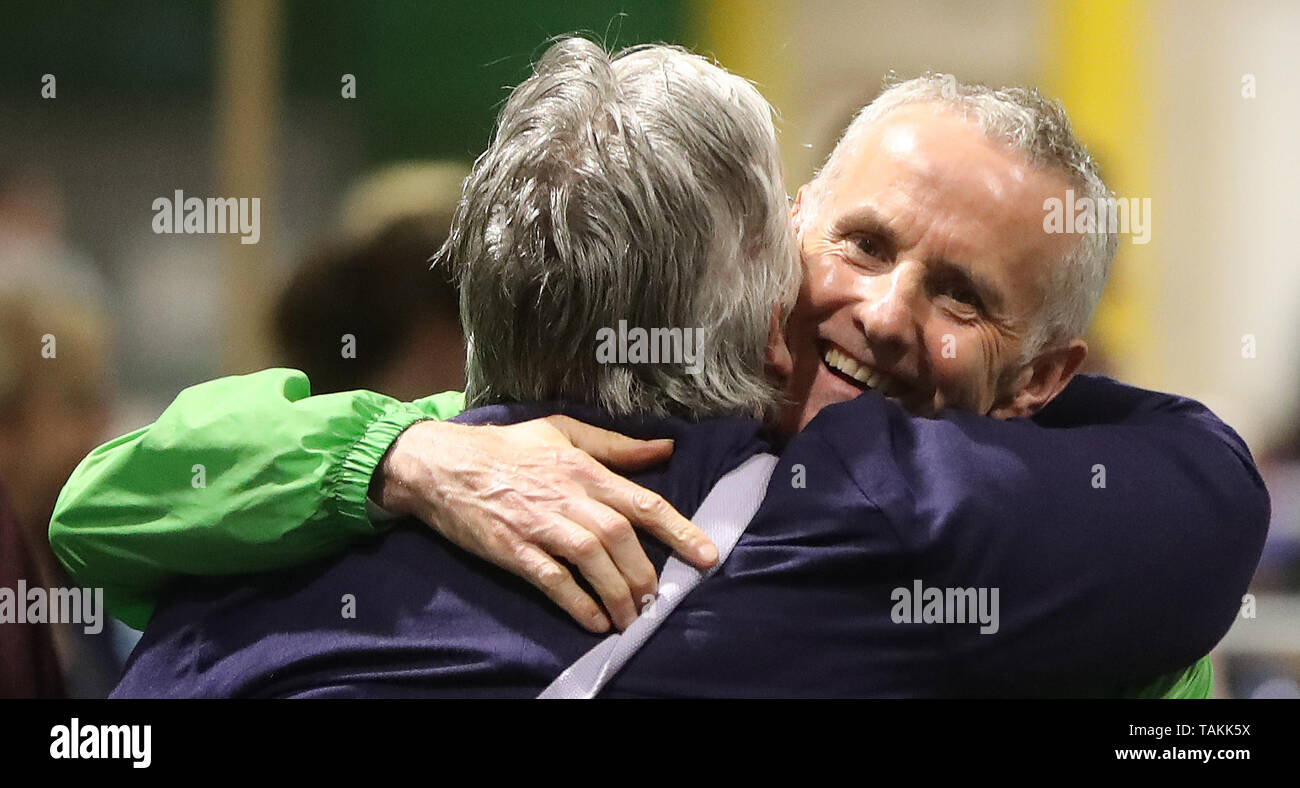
<point x="612" y="448"/>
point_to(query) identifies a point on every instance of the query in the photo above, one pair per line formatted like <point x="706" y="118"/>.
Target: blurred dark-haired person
<point x="657" y="168"/>
<point x="369" y="314"/>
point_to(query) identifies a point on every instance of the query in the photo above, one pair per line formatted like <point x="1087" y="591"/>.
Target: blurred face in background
<point x="54" y="409"/>
<point x="43" y="436"/>
<point x="925" y="263"/>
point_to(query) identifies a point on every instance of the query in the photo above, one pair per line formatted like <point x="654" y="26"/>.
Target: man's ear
<point x="796" y="210"/>
<point x="1041" y="380"/>
<point x="779" y="361"/>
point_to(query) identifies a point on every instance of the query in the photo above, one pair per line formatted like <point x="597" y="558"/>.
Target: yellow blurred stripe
<point x="751" y="38"/>
<point x="1097" y="61"/>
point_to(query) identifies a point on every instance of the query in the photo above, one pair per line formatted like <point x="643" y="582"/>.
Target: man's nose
<point x="889" y="315"/>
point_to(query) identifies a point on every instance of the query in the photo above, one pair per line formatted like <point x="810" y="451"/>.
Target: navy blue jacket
<point x="1100" y="588"/>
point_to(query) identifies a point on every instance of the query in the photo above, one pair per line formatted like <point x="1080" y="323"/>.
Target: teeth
<point x="851" y="367"/>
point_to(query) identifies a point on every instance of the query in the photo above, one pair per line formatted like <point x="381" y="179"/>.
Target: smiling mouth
<point x="858" y="373"/>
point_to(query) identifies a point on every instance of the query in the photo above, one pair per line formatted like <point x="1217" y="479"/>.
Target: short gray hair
<point x="645" y="187"/>
<point x="1038" y="129"/>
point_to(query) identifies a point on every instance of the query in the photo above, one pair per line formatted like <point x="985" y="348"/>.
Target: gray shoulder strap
<point x="723" y="516"/>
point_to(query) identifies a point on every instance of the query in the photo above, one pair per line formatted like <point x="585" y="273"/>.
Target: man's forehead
<point x="929" y="176"/>
<point x="934" y="144"/>
<point x="936" y="156"/>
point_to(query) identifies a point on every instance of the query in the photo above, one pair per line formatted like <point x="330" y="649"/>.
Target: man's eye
<point x="964" y="296"/>
<point x="870" y="246"/>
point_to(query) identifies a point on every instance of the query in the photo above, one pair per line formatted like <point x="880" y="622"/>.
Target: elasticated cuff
<point x="349" y="490"/>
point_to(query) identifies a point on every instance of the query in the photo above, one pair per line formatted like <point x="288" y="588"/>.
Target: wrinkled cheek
<point x="959" y="373"/>
<point x="825" y="281"/>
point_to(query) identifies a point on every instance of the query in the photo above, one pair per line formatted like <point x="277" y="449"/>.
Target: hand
<point x="520" y="494"/>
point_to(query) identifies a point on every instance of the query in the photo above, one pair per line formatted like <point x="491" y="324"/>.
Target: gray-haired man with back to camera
<point x="645" y="188"/>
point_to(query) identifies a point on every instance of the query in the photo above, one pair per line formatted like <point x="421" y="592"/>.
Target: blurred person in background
<point x="35" y="255"/>
<point x="56" y="394"/>
<point x="365" y="311"/>
<point x="54" y="406"/>
<point x="373" y="282"/>
<point x="1275" y="675"/>
<point x="29" y="664"/>
<point x="1279" y="568"/>
<point x="53" y="397"/>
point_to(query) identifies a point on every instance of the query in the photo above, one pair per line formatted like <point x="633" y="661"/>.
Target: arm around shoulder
<point x="240" y="474"/>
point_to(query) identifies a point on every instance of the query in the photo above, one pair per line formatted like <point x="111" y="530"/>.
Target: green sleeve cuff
<point x="348" y="489"/>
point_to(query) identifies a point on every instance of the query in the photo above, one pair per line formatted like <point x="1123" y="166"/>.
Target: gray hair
<point x="645" y="187"/>
<point x="1038" y="129"/>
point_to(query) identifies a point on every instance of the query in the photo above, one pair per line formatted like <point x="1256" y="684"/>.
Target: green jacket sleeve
<point x="241" y="474"/>
<point x="1197" y="682"/>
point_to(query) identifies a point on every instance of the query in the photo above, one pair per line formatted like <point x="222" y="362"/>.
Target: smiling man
<point x="928" y="275"/>
<point x="929" y="278"/>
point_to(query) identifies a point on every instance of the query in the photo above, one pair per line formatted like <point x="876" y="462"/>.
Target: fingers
<point x="560" y="503"/>
<point x="620" y="542"/>
<point x="650" y="511"/>
<point x="552" y="579"/>
<point x="584" y="550"/>
<point x="612" y="448"/>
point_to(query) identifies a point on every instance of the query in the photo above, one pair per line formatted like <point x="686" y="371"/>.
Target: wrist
<point x="386" y="487"/>
<point x="405" y="467"/>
